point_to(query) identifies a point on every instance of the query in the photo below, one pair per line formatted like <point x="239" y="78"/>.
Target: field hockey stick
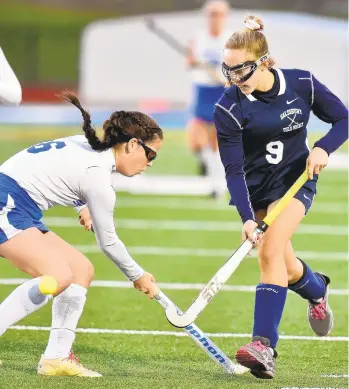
<point x="166" y="37"/>
<point x="205" y="343"/>
<point x="180" y="319"/>
<point x="177" y="46"/>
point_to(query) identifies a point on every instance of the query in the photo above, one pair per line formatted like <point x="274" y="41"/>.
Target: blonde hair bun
<point x="253" y="23"/>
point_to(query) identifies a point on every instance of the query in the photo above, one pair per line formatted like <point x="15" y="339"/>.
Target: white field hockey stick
<point x="179" y="319"/>
<point x="205" y="343"/>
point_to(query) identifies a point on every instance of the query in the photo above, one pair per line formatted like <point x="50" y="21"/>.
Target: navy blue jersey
<point x="262" y="137"/>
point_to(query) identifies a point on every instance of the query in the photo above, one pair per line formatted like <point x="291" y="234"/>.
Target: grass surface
<point x="166" y="361"/>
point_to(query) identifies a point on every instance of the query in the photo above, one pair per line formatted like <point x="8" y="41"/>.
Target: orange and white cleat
<point x="69" y="366"/>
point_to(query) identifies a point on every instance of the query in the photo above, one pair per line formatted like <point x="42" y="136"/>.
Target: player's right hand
<point x="85" y="218"/>
<point x="248" y="233"/>
<point x="192" y="62"/>
<point x="146" y="284"/>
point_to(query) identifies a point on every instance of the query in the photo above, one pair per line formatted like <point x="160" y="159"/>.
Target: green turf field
<point x="171" y="237"/>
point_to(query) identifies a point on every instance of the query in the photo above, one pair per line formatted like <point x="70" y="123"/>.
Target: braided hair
<point x="134" y="123"/>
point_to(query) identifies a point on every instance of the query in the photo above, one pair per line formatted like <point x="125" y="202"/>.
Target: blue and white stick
<point x="204" y="342"/>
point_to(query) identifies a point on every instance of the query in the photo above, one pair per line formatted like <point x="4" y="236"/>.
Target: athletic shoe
<point x="259" y="357"/>
<point x="320" y="315"/>
<point x="69" y="366"/>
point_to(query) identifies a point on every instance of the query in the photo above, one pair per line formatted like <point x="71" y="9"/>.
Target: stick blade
<point x="176" y="318"/>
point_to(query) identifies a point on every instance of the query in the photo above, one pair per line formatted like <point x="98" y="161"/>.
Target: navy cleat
<point x="320" y="315"/>
<point x="259" y="357"/>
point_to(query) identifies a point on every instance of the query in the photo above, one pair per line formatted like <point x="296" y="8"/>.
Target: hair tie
<point x="252" y="25"/>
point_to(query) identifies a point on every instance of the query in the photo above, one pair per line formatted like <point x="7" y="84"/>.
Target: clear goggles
<point x="243" y="71"/>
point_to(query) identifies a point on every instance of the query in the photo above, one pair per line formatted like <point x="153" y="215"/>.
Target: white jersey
<point x="68" y="172"/>
<point x="208" y="49"/>
<point x="10" y="88"/>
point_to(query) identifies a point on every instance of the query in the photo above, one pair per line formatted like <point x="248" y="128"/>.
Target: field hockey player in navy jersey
<point x="261" y="122"/>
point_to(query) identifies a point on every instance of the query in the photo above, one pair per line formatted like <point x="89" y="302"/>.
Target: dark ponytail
<point x="134" y="123"/>
<point x="87" y="127"/>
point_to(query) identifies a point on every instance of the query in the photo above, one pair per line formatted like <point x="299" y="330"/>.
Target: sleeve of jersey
<point x="100" y="198"/>
<point x="327" y="107"/>
<point x="229" y="135"/>
<point x="79" y="208"/>
<point x="10" y="88"/>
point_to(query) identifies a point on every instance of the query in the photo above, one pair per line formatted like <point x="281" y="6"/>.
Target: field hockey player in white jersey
<point x="70" y="171"/>
<point x="204" y="60"/>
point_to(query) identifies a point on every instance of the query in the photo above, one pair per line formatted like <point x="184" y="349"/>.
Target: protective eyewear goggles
<point x="243" y="71"/>
<point x="149" y="153"/>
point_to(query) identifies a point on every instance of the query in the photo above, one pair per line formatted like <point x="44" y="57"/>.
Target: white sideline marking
<point x="181" y="334"/>
<point x="335" y="375"/>
<point x="197" y="225"/>
<point x="190" y="252"/>
<point x="167" y="285"/>
<point x="188" y="185"/>
<point x="210" y="205"/>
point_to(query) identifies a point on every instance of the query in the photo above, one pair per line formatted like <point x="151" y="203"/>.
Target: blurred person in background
<point x="262" y="124"/>
<point x="70" y="172"/>
<point x="204" y="60"/>
<point x="10" y="88"/>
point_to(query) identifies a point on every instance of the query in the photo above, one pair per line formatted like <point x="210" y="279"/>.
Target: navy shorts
<point x="305" y="195"/>
<point x="205" y="98"/>
<point x="18" y="211"/>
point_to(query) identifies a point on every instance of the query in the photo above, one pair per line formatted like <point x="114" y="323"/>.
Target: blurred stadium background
<point x="104" y="51"/>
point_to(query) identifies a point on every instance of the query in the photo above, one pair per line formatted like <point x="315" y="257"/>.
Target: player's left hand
<point x="317" y="160"/>
<point x="85" y="219"/>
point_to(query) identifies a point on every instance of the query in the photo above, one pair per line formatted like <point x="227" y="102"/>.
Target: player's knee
<point x="267" y="255"/>
<point x="85" y="273"/>
<point x="64" y="279"/>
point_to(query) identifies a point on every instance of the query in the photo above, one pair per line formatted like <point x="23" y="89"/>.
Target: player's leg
<point x="217" y="168"/>
<point x="259" y="355"/>
<point x="28" y="252"/>
<point x="196" y="133"/>
<point x="67" y="309"/>
<point x="312" y="286"/>
<point x="34" y="254"/>
<point x="200" y="128"/>
<point x="203" y="140"/>
<point x="198" y="142"/>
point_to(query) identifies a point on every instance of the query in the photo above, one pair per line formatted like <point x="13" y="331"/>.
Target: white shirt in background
<point x="208" y="49"/>
<point x="10" y="88"/>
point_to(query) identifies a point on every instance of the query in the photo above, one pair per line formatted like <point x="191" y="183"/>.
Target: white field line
<point x="167" y="286"/>
<point x="210" y="205"/>
<point x="182" y="334"/>
<point x="335" y="375"/>
<point x="190" y="252"/>
<point x="196" y="225"/>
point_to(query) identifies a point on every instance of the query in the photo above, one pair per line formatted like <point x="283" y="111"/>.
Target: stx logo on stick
<point x="211" y="289"/>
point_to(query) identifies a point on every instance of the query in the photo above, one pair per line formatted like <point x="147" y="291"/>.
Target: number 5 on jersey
<point x="276" y="151"/>
<point x="45" y="146"/>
